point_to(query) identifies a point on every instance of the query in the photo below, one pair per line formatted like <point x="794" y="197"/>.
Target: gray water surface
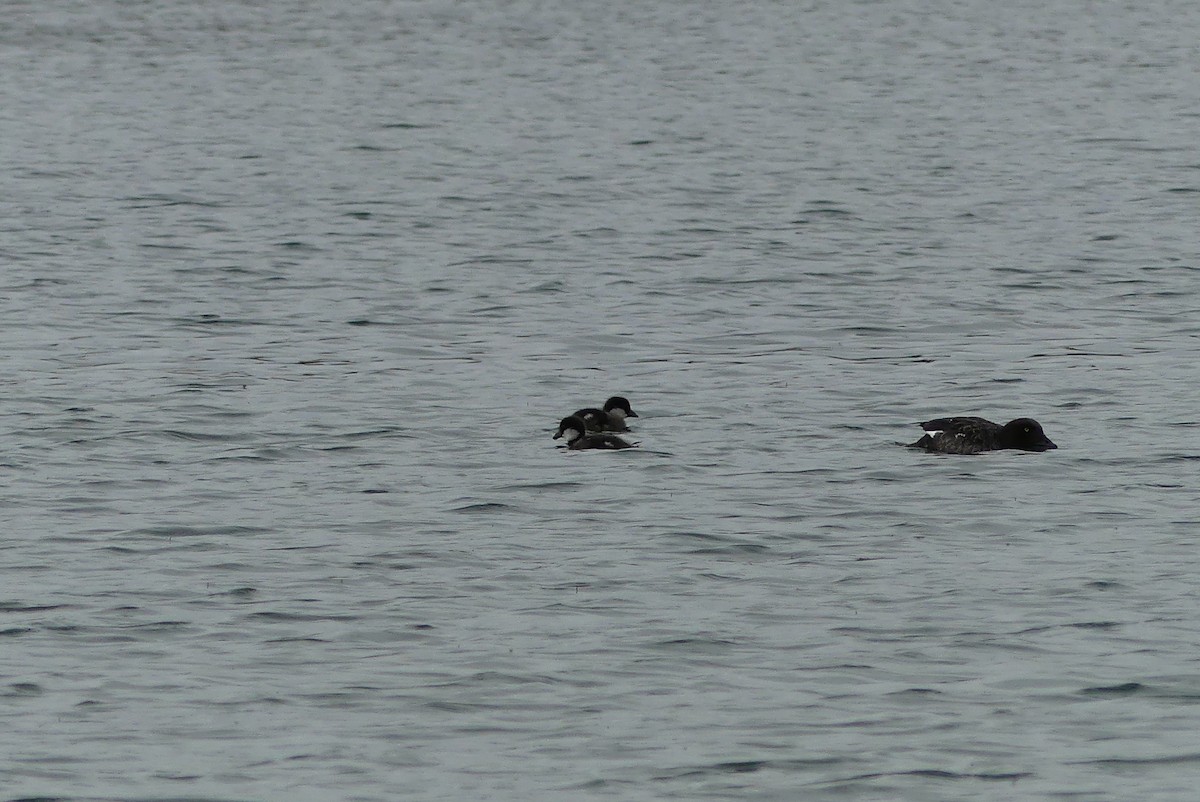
<point x="293" y="296"/>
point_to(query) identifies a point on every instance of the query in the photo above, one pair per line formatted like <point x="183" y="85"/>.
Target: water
<point x="294" y="297"/>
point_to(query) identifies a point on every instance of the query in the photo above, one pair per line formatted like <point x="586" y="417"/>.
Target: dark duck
<point x="974" y="435"/>
<point x="609" y="419"/>
<point x="578" y="438"/>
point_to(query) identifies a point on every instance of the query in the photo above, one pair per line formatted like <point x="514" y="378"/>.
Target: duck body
<point x="975" y="435"/>
<point x="574" y="429"/>
<point x="609" y="419"/>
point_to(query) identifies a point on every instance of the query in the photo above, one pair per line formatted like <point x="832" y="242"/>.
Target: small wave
<point x="1124" y="689"/>
<point x="197" y="531"/>
<point x="484" y="507"/>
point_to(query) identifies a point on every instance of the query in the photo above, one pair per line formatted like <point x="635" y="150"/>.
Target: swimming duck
<point x="575" y="431"/>
<point x="611" y="418"/>
<point x="973" y="435"/>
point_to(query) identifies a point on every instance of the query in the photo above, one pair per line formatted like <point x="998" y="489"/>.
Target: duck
<point x="578" y="438"/>
<point x="609" y="419"/>
<point x="974" y="435"/>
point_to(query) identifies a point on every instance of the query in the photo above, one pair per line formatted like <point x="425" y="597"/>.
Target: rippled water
<point x="295" y="295"/>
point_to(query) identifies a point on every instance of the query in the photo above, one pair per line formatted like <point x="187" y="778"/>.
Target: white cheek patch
<point x="933" y="432"/>
<point x="617" y="414"/>
<point x="571" y="435"/>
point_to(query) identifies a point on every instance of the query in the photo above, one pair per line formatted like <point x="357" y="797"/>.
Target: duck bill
<point x="1048" y="444"/>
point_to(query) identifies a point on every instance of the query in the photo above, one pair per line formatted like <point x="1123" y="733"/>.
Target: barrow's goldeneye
<point x="973" y="435"/>
<point x="611" y="418"/>
<point x="575" y="431"/>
